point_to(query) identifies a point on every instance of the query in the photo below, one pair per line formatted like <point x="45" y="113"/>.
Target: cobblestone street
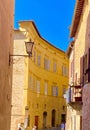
<point x="52" y="128"/>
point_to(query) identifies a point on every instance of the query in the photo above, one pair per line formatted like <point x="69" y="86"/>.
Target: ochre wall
<point x="38" y="101"/>
<point x="25" y="68"/>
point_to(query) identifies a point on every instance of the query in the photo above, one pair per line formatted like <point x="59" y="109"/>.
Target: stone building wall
<point x="86" y="107"/>
<point x="6" y="45"/>
<point x="86" y="88"/>
<point x="18" y="80"/>
<point x="80" y="47"/>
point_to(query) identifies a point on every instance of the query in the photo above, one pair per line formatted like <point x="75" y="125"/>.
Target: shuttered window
<point x="55" y="90"/>
<point x="34" y="83"/>
<point x="76" y="78"/>
<point x="38" y="60"/>
<point x="64" y="71"/>
<point x="38" y="86"/>
<point x="45" y="88"/>
<point x="72" y="71"/>
<point x="34" y="57"/>
<point x="85" y="68"/>
<point x="31" y="82"/>
<point x="89" y="65"/>
<point x="64" y="89"/>
<point x="82" y="70"/>
<point x="47" y="64"/>
<point x="54" y="66"/>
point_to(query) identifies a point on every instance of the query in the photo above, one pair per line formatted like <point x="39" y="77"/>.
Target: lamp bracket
<point x="10" y="60"/>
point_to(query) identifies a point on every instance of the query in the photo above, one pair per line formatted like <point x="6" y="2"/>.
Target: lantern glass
<point x="29" y="47"/>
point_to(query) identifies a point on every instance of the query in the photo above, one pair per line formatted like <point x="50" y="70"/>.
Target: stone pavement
<point x="52" y="128"/>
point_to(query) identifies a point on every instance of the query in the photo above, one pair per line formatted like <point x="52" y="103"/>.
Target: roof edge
<point x="40" y="35"/>
<point x="76" y="17"/>
<point x="70" y="48"/>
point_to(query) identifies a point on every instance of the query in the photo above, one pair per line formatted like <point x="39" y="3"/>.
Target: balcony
<point x="74" y="98"/>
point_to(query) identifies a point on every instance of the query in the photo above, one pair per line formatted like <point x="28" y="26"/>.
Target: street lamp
<point x="29" y="47"/>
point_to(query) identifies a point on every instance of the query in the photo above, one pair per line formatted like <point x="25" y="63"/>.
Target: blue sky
<point x="52" y="18"/>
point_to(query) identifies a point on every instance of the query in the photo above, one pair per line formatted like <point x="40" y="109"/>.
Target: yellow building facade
<point x="46" y="80"/>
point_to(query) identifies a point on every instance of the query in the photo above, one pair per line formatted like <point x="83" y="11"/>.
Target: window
<point x="85" y="68"/>
<point x="34" y="57"/>
<point x="45" y="87"/>
<point x="38" y="86"/>
<point x="47" y="64"/>
<point x="54" y="66"/>
<point x="38" y="60"/>
<point x="76" y="78"/>
<point x="31" y="83"/>
<point x="88" y="65"/>
<point x="64" y="70"/>
<point x="54" y="90"/>
<point x="72" y="69"/>
<point x="64" y="89"/>
<point x="34" y="83"/>
<point x="82" y="70"/>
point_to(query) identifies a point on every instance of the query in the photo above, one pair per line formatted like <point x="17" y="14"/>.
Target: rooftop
<point x="76" y="18"/>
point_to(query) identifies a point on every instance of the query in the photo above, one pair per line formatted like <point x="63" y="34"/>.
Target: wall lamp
<point x="29" y="47"/>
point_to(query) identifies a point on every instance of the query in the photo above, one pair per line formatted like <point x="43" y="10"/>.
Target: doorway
<point x="63" y="118"/>
<point x="36" y="121"/>
<point x="53" y="117"/>
<point x="44" y="119"/>
<point x="80" y="122"/>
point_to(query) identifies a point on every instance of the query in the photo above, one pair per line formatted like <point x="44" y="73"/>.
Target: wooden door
<point x="36" y="121"/>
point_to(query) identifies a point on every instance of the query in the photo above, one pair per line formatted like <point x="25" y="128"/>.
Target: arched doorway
<point x="44" y="119"/>
<point x="53" y="117"/>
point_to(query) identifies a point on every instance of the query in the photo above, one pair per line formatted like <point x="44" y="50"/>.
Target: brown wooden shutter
<point x="89" y="65"/>
<point x="75" y="78"/>
<point x="72" y="70"/>
<point x="85" y="68"/>
<point x="82" y="70"/>
<point x="69" y="98"/>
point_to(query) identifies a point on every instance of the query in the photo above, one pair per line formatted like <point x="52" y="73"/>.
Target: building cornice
<point x="76" y="18"/>
<point x="69" y="50"/>
<point x="32" y="22"/>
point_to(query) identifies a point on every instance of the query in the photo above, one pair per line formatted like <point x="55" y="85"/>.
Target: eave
<point x="69" y="50"/>
<point x="32" y="22"/>
<point x="76" y="17"/>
